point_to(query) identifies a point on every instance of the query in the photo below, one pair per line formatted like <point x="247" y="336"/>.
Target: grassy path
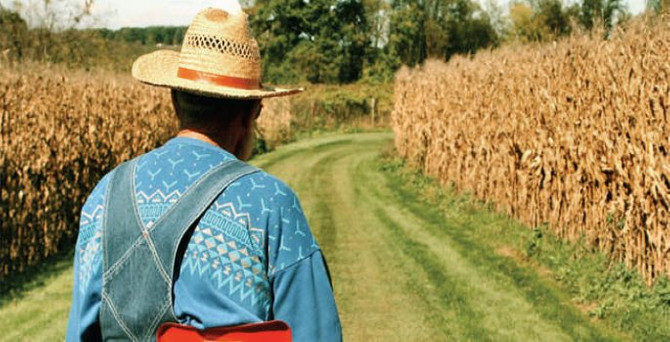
<point x="401" y="270"/>
<point x="404" y="272"/>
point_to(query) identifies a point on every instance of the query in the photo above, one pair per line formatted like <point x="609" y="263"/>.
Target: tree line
<point x="163" y="35"/>
<point x="344" y="41"/>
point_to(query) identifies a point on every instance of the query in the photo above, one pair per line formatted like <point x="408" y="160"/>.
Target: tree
<point x="469" y="29"/>
<point x="438" y="28"/>
<point x="541" y="20"/>
<point x="658" y="6"/>
<point x="46" y="18"/>
<point x="380" y="64"/>
<point x="354" y="39"/>
<point x="321" y="41"/>
<point x="498" y="19"/>
<point x="377" y="16"/>
<point x="603" y="11"/>
<point x="13" y="30"/>
<point x="554" y="17"/>
<point x="407" y="34"/>
<point x="525" y="26"/>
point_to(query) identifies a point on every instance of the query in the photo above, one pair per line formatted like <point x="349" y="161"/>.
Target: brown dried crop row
<point x="573" y="134"/>
<point x="58" y="136"/>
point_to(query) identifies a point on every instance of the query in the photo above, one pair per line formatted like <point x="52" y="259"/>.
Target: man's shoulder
<point x="98" y="193"/>
<point x="96" y="198"/>
<point x="263" y="185"/>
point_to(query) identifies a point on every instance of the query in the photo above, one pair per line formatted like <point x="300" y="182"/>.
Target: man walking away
<point x="188" y="233"/>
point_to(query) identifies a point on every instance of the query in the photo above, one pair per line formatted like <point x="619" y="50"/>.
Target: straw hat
<point x="219" y="58"/>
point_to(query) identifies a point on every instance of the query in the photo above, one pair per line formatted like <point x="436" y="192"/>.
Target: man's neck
<point x="226" y="144"/>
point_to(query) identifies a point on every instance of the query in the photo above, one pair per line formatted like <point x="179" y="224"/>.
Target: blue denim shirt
<point x="289" y="281"/>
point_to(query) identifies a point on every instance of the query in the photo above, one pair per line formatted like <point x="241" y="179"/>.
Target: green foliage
<point x="593" y="12"/>
<point x="525" y="26"/>
<point x="260" y="147"/>
<point x="15" y="29"/>
<point x="543" y="20"/>
<point x="407" y="39"/>
<point x="547" y="20"/>
<point x="329" y="107"/>
<point x="319" y="41"/>
<point x="658" y="6"/>
<point x="555" y="18"/>
<point x="85" y="49"/>
<point x="164" y="35"/>
<point x="329" y="41"/>
<point x="433" y="28"/>
<point x="381" y="67"/>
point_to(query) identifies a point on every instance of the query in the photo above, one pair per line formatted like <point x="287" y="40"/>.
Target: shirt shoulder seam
<point x="308" y="256"/>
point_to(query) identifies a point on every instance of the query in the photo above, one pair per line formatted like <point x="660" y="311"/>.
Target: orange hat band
<point x="220" y="80"/>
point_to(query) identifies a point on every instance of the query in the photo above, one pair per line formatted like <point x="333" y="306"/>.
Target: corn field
<point x="60" y="132"/>
<point x="574" y="135"/>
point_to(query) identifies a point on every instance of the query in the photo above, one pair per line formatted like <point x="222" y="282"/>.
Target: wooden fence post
<point x="373" y="109"/>
<point x="312" y="112"/>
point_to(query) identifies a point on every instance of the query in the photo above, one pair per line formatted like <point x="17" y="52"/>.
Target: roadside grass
<point x="14" y="288"/>
<point x="483" y="296"/>
<point x="608" y="292"/>
<point x="38" y="309"/>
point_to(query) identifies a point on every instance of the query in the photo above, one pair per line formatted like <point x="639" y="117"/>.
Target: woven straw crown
<point x="219" y="58"/>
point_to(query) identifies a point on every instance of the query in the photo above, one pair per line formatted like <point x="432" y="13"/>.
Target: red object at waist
<point x="272" y="331"/>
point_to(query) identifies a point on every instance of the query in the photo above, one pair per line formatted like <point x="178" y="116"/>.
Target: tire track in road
<point x="372" y="304"/>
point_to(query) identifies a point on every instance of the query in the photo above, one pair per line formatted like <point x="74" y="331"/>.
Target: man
<point x="187" y="232"/>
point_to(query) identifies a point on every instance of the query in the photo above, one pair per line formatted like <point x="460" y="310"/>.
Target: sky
<point x="141" y="13"/>
<point x="115" y="14"/>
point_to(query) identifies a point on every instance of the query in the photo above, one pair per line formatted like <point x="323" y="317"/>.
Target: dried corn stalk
<point x="574" y="134"/>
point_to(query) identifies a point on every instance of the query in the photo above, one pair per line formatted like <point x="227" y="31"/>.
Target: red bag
<point x="272" y="331"/>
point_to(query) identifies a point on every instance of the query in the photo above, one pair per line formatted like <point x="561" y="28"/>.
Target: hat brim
<point x="160" y="69"/>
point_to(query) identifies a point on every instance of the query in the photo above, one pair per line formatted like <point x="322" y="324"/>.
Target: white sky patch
<point x="115" y="14"/>
<point x="134" y="13"/>
<point x="636" y="6"/>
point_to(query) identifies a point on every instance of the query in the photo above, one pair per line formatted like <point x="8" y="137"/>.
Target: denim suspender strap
<point x="138" y="261"/>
